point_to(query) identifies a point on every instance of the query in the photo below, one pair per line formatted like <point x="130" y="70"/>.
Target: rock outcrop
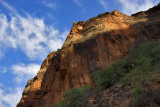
<point x="115" y="96"/>
<point x="121" y="96"/>
<point x="89" y="46"/>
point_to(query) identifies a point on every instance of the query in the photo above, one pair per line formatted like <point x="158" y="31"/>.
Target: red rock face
<point x="89" y="46"/>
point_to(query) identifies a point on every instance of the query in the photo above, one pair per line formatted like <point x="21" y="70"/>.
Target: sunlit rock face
<point x="90" y="45"/>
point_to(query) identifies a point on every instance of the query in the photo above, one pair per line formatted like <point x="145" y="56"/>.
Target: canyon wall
<point x="90" y="45"/>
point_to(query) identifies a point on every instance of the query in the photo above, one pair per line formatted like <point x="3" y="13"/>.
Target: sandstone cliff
<point x="89" y="46"/>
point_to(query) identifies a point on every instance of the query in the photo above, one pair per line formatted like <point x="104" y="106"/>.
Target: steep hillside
<point x="89" y="46"/>
<point x="131" y="82"/>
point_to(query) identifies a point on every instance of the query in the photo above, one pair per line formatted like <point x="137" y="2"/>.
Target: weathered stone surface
<point x="115" y="96"/>
<point x="89" y="46"/>
<point x="121" y="96"/>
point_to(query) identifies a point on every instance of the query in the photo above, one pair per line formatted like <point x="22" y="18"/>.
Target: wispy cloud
<point x="9" y="98"/>
<point x="30" y="34"/>
<point x="79" y="4"/>
<point x="51" y="5"/>
<point x="8" y="7"/>
<point x="24" y="72"/>
<point x="103" y="3"/>
<point x="132" y="6"/>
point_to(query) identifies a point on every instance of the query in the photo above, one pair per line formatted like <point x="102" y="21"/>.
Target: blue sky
<point x="30" y="29"/>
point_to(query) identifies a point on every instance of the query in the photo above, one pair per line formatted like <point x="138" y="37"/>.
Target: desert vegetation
<point x="139" y="68"/>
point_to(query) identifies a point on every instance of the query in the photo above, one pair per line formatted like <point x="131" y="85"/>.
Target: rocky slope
<point x="89" y="46"/>
<point x="121" y="95"/>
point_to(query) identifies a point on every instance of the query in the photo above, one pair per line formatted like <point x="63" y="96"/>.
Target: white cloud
<point x="132" y="6"/>
<point x="49" y="4"/>
<point x="103" y="3"/>
<point x="30" y="34"/>
<point x="10" y="98"/>
<point x="79" y="4"/>
<point x="24" y="72"/>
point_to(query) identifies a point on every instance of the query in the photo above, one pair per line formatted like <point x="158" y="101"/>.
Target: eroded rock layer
<point x="89" y="46"/>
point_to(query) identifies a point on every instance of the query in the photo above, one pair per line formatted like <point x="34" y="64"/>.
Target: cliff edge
<point x="90" y="46"/>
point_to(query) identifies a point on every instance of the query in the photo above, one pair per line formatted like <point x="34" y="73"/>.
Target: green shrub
<point x="147" y="50"/>
<point x="145" y="60"/>
<point x="141" y="71"/>
<point x="108" y="76"/>
<point x="139" y="66"/>
<point x="75" y="98"/>
<point x="103" y="78"/>
<point x="137" y="94"/>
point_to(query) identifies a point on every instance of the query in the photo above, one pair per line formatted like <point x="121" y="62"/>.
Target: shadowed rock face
<point x="89" y="46"/>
